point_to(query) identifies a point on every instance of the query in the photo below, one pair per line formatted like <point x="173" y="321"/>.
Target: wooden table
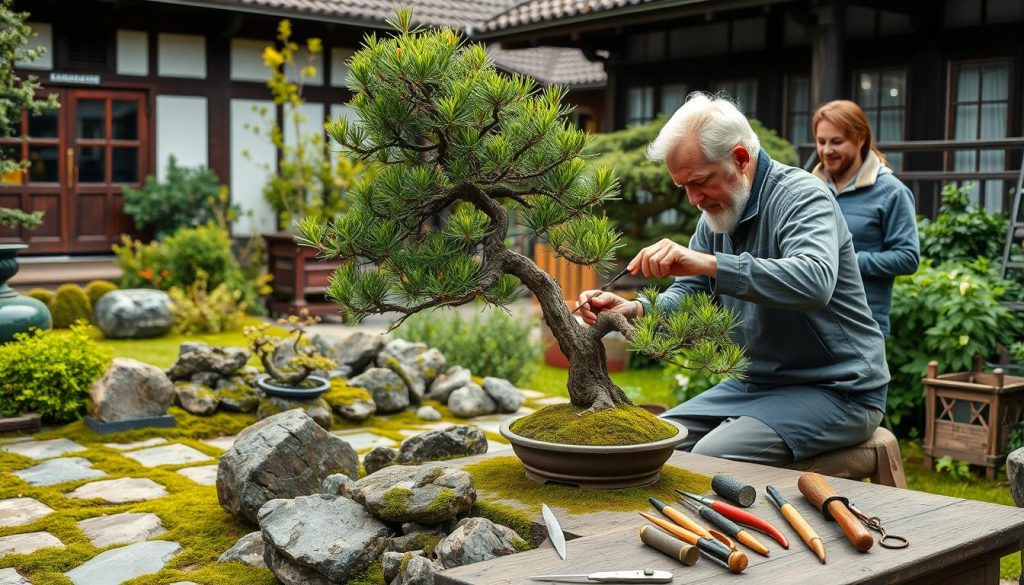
<point x="952" y="541"/>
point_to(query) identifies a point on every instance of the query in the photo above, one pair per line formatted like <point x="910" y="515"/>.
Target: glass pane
<point x="92" y="164"/>
<point x="893" y="88"/>
<point x="124" y="122"/>
<point x="640" y="104"/>
<point x="672" y="96"/>
<point x="890" y="128"/>
<point x="993" y="121"/>
<point x="43" y="125"/>
<point x="655" y="48"/>
<point x="963" y="160"/>
<point x="867" y="89"/>
<point x="995" y="84"/>
<point x="967" y="83"/>
<point x="91" y="118"/>
<point x="125" y="165"/>
<point x="799" y="128"/>
<point x="800" y="95"/>
<point x="966" y="125"/>
<point x="42" y="164"/>
<point x="991" y="160"/>
<point x="746" y="97"/>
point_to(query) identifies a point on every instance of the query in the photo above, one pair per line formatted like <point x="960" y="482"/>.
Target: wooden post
<point x="929" y="421"/>
<point x="827" y="51"/>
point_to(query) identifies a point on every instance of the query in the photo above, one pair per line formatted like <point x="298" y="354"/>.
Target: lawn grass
<point x="647" y="385"/>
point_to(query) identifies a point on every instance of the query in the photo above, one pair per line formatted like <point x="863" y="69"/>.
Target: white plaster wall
<point x="43" y="38"/>
<point x="313" y="123"/>
<point x="302" y="60"/>
<point x="247" y="60"/>
<point x="247" y="176"/>
<point x="132" y="52"/>
<point x="181" y="130"/>
<point x="181" y="56"/>
<point x="339" y="66"/>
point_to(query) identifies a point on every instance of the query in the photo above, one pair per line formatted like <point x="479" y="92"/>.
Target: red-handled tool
<point x="739" y="515"/>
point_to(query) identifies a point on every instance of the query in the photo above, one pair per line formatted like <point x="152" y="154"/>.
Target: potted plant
<point x="294" y="379"/>
<point x="456" y="140"/>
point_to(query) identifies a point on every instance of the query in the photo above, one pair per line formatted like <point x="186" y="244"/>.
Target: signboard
<point x="74" y="78"/>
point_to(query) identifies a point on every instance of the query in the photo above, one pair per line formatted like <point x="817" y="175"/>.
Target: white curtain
<point x="983" y="117"/>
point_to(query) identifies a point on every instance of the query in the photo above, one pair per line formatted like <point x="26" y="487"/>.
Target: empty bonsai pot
<point x="600" y="467"/>
<point x="313" y="386"/>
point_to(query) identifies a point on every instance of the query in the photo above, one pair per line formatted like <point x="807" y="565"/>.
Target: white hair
<point x="718" y="124"/>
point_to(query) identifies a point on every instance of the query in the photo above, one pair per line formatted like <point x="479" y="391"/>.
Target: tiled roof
<point x="533" y="12"/>
<point x="552" y="65"/>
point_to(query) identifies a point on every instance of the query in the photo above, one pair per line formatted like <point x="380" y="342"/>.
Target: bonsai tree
<point x="306" y="358"/>
<point x="463" y="152"/>
<point x="17" y="218"/>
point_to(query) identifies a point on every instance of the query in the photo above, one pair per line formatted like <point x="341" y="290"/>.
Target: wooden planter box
<point x="970" y="415"/>
<point x="300" y="279"/>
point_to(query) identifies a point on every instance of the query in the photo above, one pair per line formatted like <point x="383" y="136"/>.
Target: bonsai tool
<point x="664" y="542"/>
<point x="643" y="576"/>
<point x="734" y="560"/>
<point x="727" y="526"/>
<point x="807" y="534"/>
<point x="554" y="530"/>
<point x="680" y="518"/>
<point x="820" y="494"/>
<point x="737" y="515"/>
<point x="875" y="523"/>
<point x="608" y="284"/>
<point x="734" y="490"/>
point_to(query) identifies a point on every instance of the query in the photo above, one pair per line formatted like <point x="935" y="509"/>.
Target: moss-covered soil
<point x="566" y="424"/>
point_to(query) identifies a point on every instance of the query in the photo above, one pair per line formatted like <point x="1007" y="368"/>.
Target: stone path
<point x="120" y="564"/>
<point x="43" y="449"/>
<point x="126" y="528"/>
<point x="18" y="511"/>
<point x="120" y="491"/>
<point x="11" y="577"/>
<point x="174" y="454"/>
<point x="59" y="470"/>
<point x="23" y="544"/>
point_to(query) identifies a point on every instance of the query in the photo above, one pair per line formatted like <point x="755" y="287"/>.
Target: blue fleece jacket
<point x="879" y="210"/>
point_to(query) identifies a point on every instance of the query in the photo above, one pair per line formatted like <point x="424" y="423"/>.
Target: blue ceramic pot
<point x="18" y="313"/>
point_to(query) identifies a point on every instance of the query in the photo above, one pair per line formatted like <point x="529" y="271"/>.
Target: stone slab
<point x="137" y="444"/>
<point x="532" y="394"/>
<point x="12" y="577"/>
<point x="222" y="443"/>
<point x="410" y="432"/>
<point x="43" y="449"/>
<point x="363" y="440"/>
<point x="496" y="447"/>
<point x="203" y="475"/>
<point x="120" y="491"/>
<point x="120" y="564"/>
<point x="105" y="428"/>
<point x="15" y="440"/>
<point x="28" y="542"/>
<point x="173" y="454"/>
<point x="18" y="511"/>
<point x="551" y="400"/>
<point x="127" y="528"/>
<point x="487" y="426"/>
<point x="60" y="470"/>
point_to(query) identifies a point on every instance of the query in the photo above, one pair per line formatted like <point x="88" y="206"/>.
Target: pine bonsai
<point x="463" y="146"/>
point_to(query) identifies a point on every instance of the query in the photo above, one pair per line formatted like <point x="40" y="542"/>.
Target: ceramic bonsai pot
<point x="600" y="467"/>
<point x="18" y="313"/>
<point x="314" y="388"/>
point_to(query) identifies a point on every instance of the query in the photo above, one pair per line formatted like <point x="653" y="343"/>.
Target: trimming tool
<point x="739" y="515"/>
<point x="603" y="288"/>
<point x="644" y="576"/>
<point x="554" y="530"/>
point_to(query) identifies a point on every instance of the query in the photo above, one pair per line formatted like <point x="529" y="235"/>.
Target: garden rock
<point x="470" y="401"/>
<point x="391" y="561"/>
<point x="505" y="395"/>
<point x="208" y="379"/>
<point x="134" y="313"/>
<point x="427" y="494"/>
<point x="379" y="458"/>
<point x="236" y="394"/>
<point x="387" y="388"/>
<point x="454" y="378"/>
<point x="454" y="441"/>
<point x="401" y="350"/>
<point x="283" y="456"/>
<point x="356" y="405"/>
<point x="249" y="550"/>
<point x="316" y="408"/>
<point x="336" y="485"/>
<point x="411" y="377"/>
<point x="224" y="361"/>
<point x="325" y="539"/>
<point x="428" y="413"/>
<point x="354" y="352"/>
<point x="1015" y="475"/>
<point x="412" y="542"/>
<point x="416" y="570"/>
<point x="475" y="540"/>
<point x="199" y="400"/>
<point x="130" y="389"/>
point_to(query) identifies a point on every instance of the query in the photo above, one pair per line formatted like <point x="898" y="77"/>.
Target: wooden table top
<point x="943" y="531"/>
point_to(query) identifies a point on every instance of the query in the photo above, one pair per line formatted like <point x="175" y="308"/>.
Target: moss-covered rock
<point x="350" y="402"/>
<point x="97" y="288"/>
<point x="70" y="305"/>
<point x="566" y="424"/>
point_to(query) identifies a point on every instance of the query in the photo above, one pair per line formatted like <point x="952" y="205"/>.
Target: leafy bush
<point x="17" y="218"/>
<point x="97" y="288"/>
<point x="688" y="382"/>
<point x="948" y="314"/>
<point x="197" y="309"/>
<point x="962" y="231"/>
<point x="41" y="294"/>
<point x="50" y="372"/>
<point x="70" y="305"/>
<point x="491" y="343"/>
<point x="189" y="197"/>
<point x="956" y="469"/>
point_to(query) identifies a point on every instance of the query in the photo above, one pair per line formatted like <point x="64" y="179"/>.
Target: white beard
<point x="725" y="221"/>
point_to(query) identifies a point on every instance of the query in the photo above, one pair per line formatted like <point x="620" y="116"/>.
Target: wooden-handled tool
<point x="820" y="494"/>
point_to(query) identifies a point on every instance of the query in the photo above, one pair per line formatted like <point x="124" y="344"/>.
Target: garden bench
<point x="877" y="459"/>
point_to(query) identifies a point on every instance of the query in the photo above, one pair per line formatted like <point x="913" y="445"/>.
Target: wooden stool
<point x="877" y="459"/>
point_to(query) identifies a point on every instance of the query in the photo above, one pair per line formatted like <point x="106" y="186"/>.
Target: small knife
<point x="644" y="576"/>
<point x="554" y="530"/>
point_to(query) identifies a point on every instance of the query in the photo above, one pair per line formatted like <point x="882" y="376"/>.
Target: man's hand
<point x="667" y="258"/>
<point x="596" y="301"/>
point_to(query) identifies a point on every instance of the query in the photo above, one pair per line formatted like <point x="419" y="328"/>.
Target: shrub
<point x="50" y="372"/>
<point x="491" y="343"/>
<point x="142" y="265"/>
<point x="70" y="305"/>
<point x="962" y="231"/>
<point x="196" y="309"/>
<point x="189" y="197"/>
<point x="41" y="294"/>
<point x="688" y="382"/>
<point x="97" y="288"/>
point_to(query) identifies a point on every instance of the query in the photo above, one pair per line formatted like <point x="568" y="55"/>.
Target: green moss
<point x="396" y="503"/>
<point x="442" y="502"/>
<point x="341" y="394"/>
<point x="505" y="478"/>
<point x="426" y="542"/>
<point x="97" y="288"/>
<point x="402" y="566"/>
<point x="42" y="295"/>
<point x="433" y="474"/>
<point x="188" y="426"/>
<point x="372" y="575"/>
<point x="564" y="424"/>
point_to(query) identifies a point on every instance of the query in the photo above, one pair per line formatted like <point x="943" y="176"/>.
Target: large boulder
<point x="130" y="389"/>
<point x="504" y="393"/>
<point x="354" y="352"/>
<point x="454" y="441"/>
<point x="320" y="539"/>
<point x="196" y="399"/>
<point x="224" y="361"/>
<point x="427" y="494"/>
<point x="284" y="456"/>
<point x="470" y="401"/>
<point x="475" y="540"/>
<point x="316" y="408"/>
<point x="133" y="313"/>
<point x="389" y="392"/>
<point x="454" y="378"/>
<point x="249" y="550"/>
<point x="1015" y="474"/>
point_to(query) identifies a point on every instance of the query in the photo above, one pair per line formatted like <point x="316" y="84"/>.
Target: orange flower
<point x="165" y="273"/>
<point x="147" y="274"/>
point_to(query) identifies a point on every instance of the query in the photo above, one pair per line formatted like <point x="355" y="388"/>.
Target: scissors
<point x="603" y="288"/>
<point x="875" y="523"/>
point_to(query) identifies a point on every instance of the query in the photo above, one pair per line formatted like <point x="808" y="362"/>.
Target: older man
<point x="771" y="245"/>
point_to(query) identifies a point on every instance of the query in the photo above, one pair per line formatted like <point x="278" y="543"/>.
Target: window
<point x="960" y="13"/>
<point x="648" y="46"/>
<point x="798" y="109"/>
<point x="639" y="105"/>
<point x="742" y="91"/>
<point x="979" y="110"/>
<point x="882" y="94"/>
<point x="672" y="96"/>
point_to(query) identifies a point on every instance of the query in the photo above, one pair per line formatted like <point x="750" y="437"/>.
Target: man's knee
<point x="745" y="439"/>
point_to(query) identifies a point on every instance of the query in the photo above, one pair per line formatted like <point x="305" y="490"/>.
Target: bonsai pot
<point x="17" y="313"/>
<point x="315" y="386"/>
<point x="601" y="467"/>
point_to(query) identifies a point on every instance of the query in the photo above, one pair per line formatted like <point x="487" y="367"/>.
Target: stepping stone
<point x="174" y="454"/>
<point x="203" y="475"/>
<point x="437" y="426"/>
<point x="14" y="440"/>
<point x="11" y="577"/>
<point x="120" y="564"/>
<point x="532" y="394"/>
<point x="127" y="528"/>
<point x="43" y="449"/>
<point x="18" y="511"/>
<point x="496" y="447"/>
<point x="410" y="432"/>
<point x="365" y="440"/>
<point x="551" y="400"/>
<point x="59" y="470"/>
<point x="120" y="491"/>
<point x="136" y="444"/>
<point x="222" y="443"/>
<point x="22" y="544"/>
<point x="487" y="426"/>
